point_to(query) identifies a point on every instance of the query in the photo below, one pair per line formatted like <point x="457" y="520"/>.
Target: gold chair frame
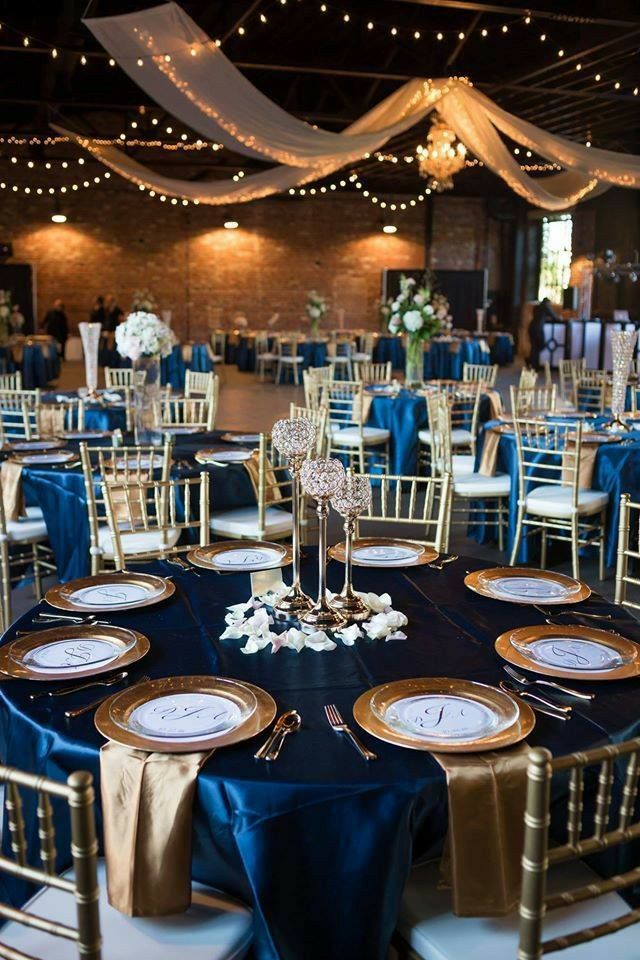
<point x="480" y="373"/>
<point x="369" y="372"/>
<point x="398" y="499"/>
<point x="623" y="578"/>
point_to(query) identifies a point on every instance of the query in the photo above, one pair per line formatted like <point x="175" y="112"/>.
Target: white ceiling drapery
<point x="188" y="74"/>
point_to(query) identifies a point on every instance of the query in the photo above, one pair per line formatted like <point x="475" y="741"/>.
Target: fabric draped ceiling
<point x="190" y="77"/>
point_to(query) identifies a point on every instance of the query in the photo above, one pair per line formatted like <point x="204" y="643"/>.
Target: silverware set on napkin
<point x="290" y="721"/>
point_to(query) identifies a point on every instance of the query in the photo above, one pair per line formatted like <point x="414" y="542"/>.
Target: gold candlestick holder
<point x="294" y="438"/>
<point x="350" y="501"/>
<point x="321" y="479"/>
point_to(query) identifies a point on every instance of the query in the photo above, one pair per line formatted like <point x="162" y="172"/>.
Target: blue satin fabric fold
<point x="441" y="362"/>
<point x="502" y="349"/>
<point x="40" y="364"/>
<point x="389" y="348"/>
<point x="320" y="843"/>
<point x="200" y="360"/>
<point x="62" y="497"/>
<point x="616" y="471"/>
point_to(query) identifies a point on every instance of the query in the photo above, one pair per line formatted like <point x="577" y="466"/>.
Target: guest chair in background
<point x="369" y="372"/>
<point x="115" y="377"/>
<point x="628" y="550"/>
<point x="480" y="373"/>
<point x="346" y="430"/>
<point x="421" y="503"/>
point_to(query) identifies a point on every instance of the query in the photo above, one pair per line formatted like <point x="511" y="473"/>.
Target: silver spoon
<point x="290" y="724"/>
<point x="83" y="686"/>
<point x="572" y="613"/>
<point x="179" y="562"/>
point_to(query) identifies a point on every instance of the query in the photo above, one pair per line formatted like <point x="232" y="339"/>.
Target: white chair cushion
<point x="216" y="358"/>
<point x="350" y="436"/>
<point x="243" y="522"/>
<point x="143" y="542"/>
<point x="424" y="436"/>
<point x="267" y="357"/>
<point x="289" y="359"/>
<point x="477" y="485"/>
<point x="341" y="358"/>
<point x="31" y="527"/>
<point x="427" y="924"/>
<point x="215" y="927"/>
<point x="361" y="357"/>
<point x="463" y="465"/>
<point x="460" y="437"/>
<point x="551" y="500"/>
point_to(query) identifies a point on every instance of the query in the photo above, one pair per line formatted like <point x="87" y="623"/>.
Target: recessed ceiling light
<point x="59" y="217"/>
<point x="231" y="224"/>
<point x="389" y="228"/>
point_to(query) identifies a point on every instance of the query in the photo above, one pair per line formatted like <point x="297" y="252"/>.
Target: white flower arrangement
<point x="316" y="308"/>
<point x="143" y="302"/>
<point x="417" y="310"/>
<point x="252" y="620"/>
<point x="144" y="335"/>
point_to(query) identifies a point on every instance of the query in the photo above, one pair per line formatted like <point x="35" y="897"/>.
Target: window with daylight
<point x="555" y="257"/>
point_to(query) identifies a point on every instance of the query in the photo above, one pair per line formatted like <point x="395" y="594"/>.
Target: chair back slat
<point x="423" y="502"/>
<point x="480" y="373"/>
<point x="527" y="401"/>
<point x="115" y="377"/>
<point x="46" y="832"/>
<point x="369" y="372"/>
<point x="317" y="416"/>
<point x="199" y="412"/>
<point x="528" y="379"/>
<point x="590" y="390"/>
<point x="628" y="550"/>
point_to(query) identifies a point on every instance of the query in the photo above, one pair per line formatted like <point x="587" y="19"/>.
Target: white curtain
<point x="184" y="71"/>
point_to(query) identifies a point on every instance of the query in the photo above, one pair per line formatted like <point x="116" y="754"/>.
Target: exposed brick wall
<point x="117" y="241"/>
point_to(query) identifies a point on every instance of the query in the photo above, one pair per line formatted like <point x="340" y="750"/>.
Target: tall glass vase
<point x="146" y="394"/>
<point x="414" y="362"/>
<point x="622" y="344"/>
<point x="90" y="336"/>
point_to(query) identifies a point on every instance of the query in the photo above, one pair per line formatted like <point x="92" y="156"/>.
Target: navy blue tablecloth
<point x="40" y="365"/>
<point x="444" y="359"/>
<point x="62" y="497"/>
<point x="319" y="843"/>
<point x="313" y="353"/>
<point x="616" y="471"/>
<point x="390" y="349"/>
<point x="501" y="347"/>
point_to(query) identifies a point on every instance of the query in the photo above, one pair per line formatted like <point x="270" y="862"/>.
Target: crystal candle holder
<point x="622" y="344"/>
<point x="294" y="438"/>
<point x="90" y="336"/>
<point x="322" y="479"/>
<point x="352" y="499"/>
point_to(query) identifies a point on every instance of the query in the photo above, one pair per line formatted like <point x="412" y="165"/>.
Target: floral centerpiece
<point x="144" y="339"/>
<point x="143" y="302"/>
<point x="419" y="312"/>
<point x="316" y="308"/>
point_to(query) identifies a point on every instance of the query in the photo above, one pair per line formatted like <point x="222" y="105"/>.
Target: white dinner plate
<point x="571" y="653"/>
<point x="56" y="456"/>
<point x="223" y="456"/>
<point x="185" y="717"/>
<point x="241" y="437"/>
<point x="447" y="717"/>
<point x="72" y="655"/>
<point x="385" y="556"/>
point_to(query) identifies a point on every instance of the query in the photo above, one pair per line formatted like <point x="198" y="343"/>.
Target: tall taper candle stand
<point x="350" y="501"/>
<point x="321" y="479"/>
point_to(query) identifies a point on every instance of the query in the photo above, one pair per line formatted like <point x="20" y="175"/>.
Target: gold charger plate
<point x="205" y="556"/>
<point x="388" y="693"/>
<point x="34" y="446"/>
<point x="523" y="635"/>
<point x="479" y="580"/>
<point x="112" y="715"/>
<point x="43" y="457"/>
<point x="223" y="455"/>
<point x="85" y="434"/>
<point x="134" y="646"/>
<point x="157" y="589"/>
<point x="426" y="555"/>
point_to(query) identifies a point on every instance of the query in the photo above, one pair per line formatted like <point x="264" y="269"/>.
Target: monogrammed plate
<point x="222" y="456"/>
<point x="71" y="651"/>
<point x="572" y="651"/>
<point x="110" y="591"/>
<point x="232" y="556"/>
<point x="525" y="585"/>
<point x="385" y="552"/>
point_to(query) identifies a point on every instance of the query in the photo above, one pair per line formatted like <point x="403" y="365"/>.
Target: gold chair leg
<point x="601" y="567"/>
<point x="575" y="560"/>
<point x="543" y="548"/>
<point x="518" y="538"/>
<point x="37" y="579"/>
<point x="500" y="525"/>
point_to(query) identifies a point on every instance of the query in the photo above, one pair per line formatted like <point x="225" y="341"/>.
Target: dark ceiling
<point x="328" y="67"/>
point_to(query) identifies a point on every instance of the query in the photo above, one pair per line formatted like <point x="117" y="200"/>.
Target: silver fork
<point x="179" y="562"/>
<point x="83" y="686"/>
<point x="526" y="682"/>
<point x="562" y="712"/>
<point x="572" y="613"/>
<point x="334" y="717"/>
<point x="96" y="703"/>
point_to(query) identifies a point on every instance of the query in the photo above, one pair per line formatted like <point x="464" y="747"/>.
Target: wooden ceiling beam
<point x="525" y="11"/>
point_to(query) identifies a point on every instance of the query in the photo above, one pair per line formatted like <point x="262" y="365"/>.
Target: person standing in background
<point x="56" y="324"/>
<point x="99" y="314"/>
<point x="542" y="313"/>
<point x="114" y="313"/>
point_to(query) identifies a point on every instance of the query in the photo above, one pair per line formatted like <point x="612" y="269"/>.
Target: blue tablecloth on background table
<point x="201" y="361"/>
<point x="404" y="416"/>
<point x="501" y="347"/>
<point x="313" y="353"/>
<point x="616" y="471"/>
<point x="62" y="497"/>
<point x="172" y="368"/>
<point x="390" y="349"/>
<point x="444" y="359"/>
<point x="40" y="365"/>
<point x="319" y="843"/>
<point x="97" y="416"/>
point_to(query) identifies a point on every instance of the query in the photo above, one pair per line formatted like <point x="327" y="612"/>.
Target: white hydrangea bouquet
<point x="144" y="335"/>
<point x="316" y="308"/>
<point x="419" y="312"/>
<point x="143" y="301"/>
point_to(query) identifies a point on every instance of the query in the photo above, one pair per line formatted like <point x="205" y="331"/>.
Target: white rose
<point x="315" y="313"/>
<point x="395" y="306"/>
<point x="413" y="320"/>
<point x="410" y="282"/>
<point x="418" y="299"/>
<point x="394" y="325"/>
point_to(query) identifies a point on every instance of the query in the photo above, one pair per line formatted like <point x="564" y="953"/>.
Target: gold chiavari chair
<point x="591" y="391"/>
<point x="206" y="385"/>
<point x="528" y="378"/>
<point x="569" y="371"/>
<point x="481" y="498"/>
<point x="115" y="377"/>
<point x="340" y="356"/>
<point x="424" y="503"/>
<point x="628" y="550"/>
<point x="271" y="518"/>
<point x="314" y="379"/>
<point x="74" y="907"/>
<point x="551" y="499"/>
<point x="147" y="518"/>
<point x="183" y="414"/>
<point x="19" y="414"/>
<point x="346" y="430"/>
<point x="367" y="343"/>
<point x="23" y="545"/>
<point x="266" y="357"/>
<point x="464" y="403"/>
<point x="546" y="370"/>
<point x="288" y="358"/>
<point x="55" y="418"/>
<point x="104" y="465"/>
<point x="318" y="416"/>
<point x="562" y="899"/>
<point x="526" y="401"/>
<point x="11" y="381"/>
<point x="480" y="373"/>
<point x="373" y="372"/>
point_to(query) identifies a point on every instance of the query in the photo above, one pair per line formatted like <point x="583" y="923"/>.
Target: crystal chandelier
<point x="442" y="157"/>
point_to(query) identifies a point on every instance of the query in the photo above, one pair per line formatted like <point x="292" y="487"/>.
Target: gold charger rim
<point x="471" y="581"/>
<point x="22" y="446"/>
<point x="199" y="555"/>
<point x="515" y="733"/>
<point x="208" y="454"/>
<point x="427" y="554"/>
<point x="263" y="714"/>
<point x="505" y="649"/>
<point x="59" y="595"/>
<point x="66" y="456"/>
<point x="140" y="648"/>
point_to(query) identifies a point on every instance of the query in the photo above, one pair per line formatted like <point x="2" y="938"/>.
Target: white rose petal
<point x="349" y="635"/>
<point x="295" y="639"/>
<point x="319" y="641"/>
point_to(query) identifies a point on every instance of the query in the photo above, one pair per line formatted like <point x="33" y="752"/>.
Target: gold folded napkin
<point x="252" y="466"/>
<point x="147" y="802"/>
<point x="361" y="410"/>
<point x="495" y="403"/>
<point x="489" y="456"/>
<point x="588" y="453"/>
<point x="481" y="859"/>
<point x="12" y="495"/>
<point x="51" y="420"/>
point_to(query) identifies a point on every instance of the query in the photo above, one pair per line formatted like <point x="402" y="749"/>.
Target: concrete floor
<point x="246" y="404"/>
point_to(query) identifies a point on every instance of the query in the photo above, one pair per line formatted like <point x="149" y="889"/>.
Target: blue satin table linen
<point x="390" y="348"/>
<point x="313" y="353"/>
<point x="319" y="843"/>
<point x="445" y="359"/>
<point x="39" y="365"/>
<point x="616" y="471"/>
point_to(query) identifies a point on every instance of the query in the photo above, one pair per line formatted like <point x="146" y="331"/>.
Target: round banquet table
<point x="445" y="358"/>
<point x="61" y="495"/>
<point x="319" y="842"/>
<point x="389" y="349"/>
<point x="616" y="471"/>
<point x="98" y="415"/>
<point x="313" y="353"/>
